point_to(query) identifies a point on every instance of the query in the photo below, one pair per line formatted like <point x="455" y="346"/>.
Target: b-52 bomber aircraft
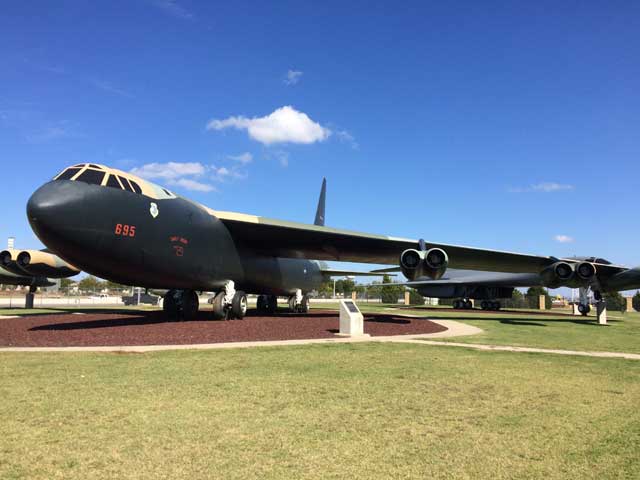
<point x="120" y="227"/>
<point x="32" y="268"/>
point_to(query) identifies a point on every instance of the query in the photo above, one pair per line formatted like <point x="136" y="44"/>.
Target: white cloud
<point x="171" y="7"/>
<point x="544" y="187"/>
<point x="181" y="174"/>
<point x="169" y="171"/>
<point x="193" y="176"/>
<point x="293" y="77"/>
<point x="243" y="158"/>
<point x="283" y="158"/>
<point x="284" y="125"/>
<point x="563" y="239"/>
<point x="345" y="136"/>
<point x="193" y="185"/>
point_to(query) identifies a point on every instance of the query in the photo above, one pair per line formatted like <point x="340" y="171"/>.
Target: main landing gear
<point x="229" y="303"/>
<point x="493" y="305"/>
<point x="584" y="307"/>
<point x="299" y="303"/>
<point x="181" y="304"/>
<point x="267" y="304"/>
<point x="463" y="304"/>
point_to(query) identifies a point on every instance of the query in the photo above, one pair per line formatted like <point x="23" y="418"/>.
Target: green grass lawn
<point x="622" y="334"/>
<point x="319" y="411"/>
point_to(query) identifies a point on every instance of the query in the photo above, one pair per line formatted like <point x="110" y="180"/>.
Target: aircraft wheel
<point x="218" y="306"/>
<point x="584" y="309"/>
<point x="304" y="306"/>
<point x="190" y="304"/>
<point x="468" y="305"/>
<point x="261" y="303"/>
<point x="239" y="305"/>
<point x="498" y="306"/>
<point x="484" y="305"/>
<point x="456" y="304"/>
<point x="272" y="304"/>
<point x="169" y="305"/>
<point x="292" y="304"/>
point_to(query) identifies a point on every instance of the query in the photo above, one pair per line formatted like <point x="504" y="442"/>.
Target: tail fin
<point x="321" y="201"/>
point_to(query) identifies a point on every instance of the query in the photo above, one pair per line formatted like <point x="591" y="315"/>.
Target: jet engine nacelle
<point x="560" y="274"/>
<point x="43" y="264"/>
<point x="431" y="263"/>
<point x="586" y="271"/>
<point x="8" y="261"/>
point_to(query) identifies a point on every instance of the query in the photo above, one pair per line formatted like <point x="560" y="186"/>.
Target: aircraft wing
<point x="475" y="278"/>
<point x="349" y="273"/>
<point x="299" y="240"/>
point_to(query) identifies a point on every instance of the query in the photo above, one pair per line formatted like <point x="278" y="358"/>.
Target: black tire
<point x="292" y="304"/>
<point x="190" y="305"/>
<point x="304" y="306"/>
<point x="239" y="305"/>
<point x="484" y="305"/>
<point x="272" y="304"/>
<point x="584" y="309"/>
<point x="468" y="305"/>
<point x="170" y="306"/>
<point x="218" y="306"/>
<point x="261" y="303"/>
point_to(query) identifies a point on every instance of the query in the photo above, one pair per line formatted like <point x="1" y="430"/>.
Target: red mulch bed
<point x="153" y="328"/>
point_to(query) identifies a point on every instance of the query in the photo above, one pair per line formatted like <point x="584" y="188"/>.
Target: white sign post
<point x="351" y="320"/>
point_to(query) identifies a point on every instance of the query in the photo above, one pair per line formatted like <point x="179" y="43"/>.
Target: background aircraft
<point x="32" y="268"/>
<point x="120" y="227"/>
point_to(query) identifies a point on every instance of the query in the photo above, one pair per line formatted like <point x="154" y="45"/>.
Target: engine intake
<point x="431" y="263"/>
<point x="5" y="258"/>
<point x="586" y="270"/>
<point x="557" y="275"/>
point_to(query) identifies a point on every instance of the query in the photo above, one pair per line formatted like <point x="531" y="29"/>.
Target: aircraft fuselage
<point x="170" y="242"/>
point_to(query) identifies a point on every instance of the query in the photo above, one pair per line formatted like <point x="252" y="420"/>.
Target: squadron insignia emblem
<point x="153" y="210"/>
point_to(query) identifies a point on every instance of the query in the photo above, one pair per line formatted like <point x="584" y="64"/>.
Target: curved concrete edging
<point x="454" y="329"/>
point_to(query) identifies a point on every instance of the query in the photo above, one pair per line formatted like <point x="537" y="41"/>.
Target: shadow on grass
<point x="589" y="321"/>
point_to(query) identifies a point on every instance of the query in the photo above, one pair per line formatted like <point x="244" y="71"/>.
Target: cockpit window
<point x="91" y="176"/>
<point x="125" y="184"/>
<point x="135" y="186"/>
<point x="113" y="182"/>
<point x="91" y="165"/>
<point x="68" y="174"/>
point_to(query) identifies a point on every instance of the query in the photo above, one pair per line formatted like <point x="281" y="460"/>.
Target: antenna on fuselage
<point x="321" y="202"/>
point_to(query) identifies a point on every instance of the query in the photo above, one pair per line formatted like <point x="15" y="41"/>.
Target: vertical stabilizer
<point x="321" y="201"/>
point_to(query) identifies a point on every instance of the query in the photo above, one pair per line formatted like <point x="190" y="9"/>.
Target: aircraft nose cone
<point x="52" y="208"/>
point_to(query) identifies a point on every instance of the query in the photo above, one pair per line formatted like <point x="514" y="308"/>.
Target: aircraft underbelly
<point x="278" y="276"/>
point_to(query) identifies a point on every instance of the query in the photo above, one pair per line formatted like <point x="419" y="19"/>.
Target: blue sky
<point x="503" y="125"/>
